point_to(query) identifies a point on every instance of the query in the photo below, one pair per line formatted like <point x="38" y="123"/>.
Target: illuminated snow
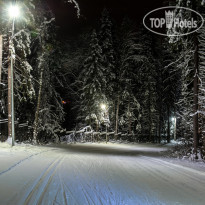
<point x="96" y="174"/>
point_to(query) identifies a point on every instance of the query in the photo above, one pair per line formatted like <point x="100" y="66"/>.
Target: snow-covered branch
<point x="76" y="6"/>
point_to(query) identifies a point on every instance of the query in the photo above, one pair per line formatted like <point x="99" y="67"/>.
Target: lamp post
<point x="105" y="117"/>
<point x="13" y="13"/>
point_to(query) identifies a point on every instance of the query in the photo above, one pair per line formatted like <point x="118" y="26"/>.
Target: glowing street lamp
<point x="103" y="106"/>
<point x="13" y="12"/>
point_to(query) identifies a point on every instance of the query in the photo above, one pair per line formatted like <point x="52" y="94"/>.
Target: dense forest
<point x="115" y="76"/>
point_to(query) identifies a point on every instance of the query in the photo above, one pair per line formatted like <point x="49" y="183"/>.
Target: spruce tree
<point x="92" y="82"/>
<point x="108" y="52"/>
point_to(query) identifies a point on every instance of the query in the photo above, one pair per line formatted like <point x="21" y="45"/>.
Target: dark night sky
<point x="91" y="10"/>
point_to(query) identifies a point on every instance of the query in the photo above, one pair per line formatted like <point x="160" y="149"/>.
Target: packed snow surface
<point x="96" y="174"/>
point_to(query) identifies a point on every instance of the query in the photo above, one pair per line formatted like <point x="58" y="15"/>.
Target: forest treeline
<point x="152" y="86"/>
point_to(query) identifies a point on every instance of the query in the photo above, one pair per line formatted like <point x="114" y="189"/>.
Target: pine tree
<point x="93" y="82"/>
<point x="106" y="43"/>
<point x="147" y="93"/>
<point x="128" y="78"/>
<point x="108" y="51"/>
<point x="125" y="46"/>
<point x="49" y="112"/>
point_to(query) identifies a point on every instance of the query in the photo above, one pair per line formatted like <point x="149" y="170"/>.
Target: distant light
<point x="173" y="118"/>
<point x="103" y="106"/>
<point x="64" y="102"/>
<point x="14" y="11"/>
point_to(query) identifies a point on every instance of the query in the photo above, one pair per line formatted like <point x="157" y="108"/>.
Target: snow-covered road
<point x="96" y="174"/>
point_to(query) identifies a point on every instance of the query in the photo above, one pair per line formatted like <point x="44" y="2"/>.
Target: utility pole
<point x="11" y="127"/>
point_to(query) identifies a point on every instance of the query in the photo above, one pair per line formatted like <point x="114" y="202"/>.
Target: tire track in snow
<point x="80" y="176"/>
<point x="160" y="176"/>
<point x="42" y="183"/>
<point x="176" y="168"/>
<point x="55" y="198"/>
<point x="130" y="187"/>
<point x="99" y="185"/>
<point x="136" y="177"/>
<point x="23" y="160"/>
<point x="62" y="191"/>
<point x="106" y="182"/>
<point x="179" y="189"/>
<point x="59" y="162"/>
<point x="156" y="173"/>
<point x="184" y="176"/>
<point x="65" y="187"/>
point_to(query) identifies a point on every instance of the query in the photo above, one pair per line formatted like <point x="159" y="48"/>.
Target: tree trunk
<point x="196" y="91"/>
<point x="196" y="86"/>
<point x="97" y="129"/>
<point x="168" y="124"/>
<point x="117" y="117"/>
<point x="175" y="125"/>
<point x="1" y="55"/>
<point x="149" y="116"/>
<point x="90" y="114"/>
<point x="35" y="130"/>
<point x="97" y="125"/>
<point x="159" y="127"/>
<point x="106" y="135"/>
<point x="114" y="114"/>
<point x="129" y="119"/>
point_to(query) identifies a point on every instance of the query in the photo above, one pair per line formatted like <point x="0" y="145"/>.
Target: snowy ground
<point x="96" y="174"/>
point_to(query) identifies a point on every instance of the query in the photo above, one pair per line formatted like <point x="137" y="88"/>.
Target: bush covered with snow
<point x="183" y="149"/>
